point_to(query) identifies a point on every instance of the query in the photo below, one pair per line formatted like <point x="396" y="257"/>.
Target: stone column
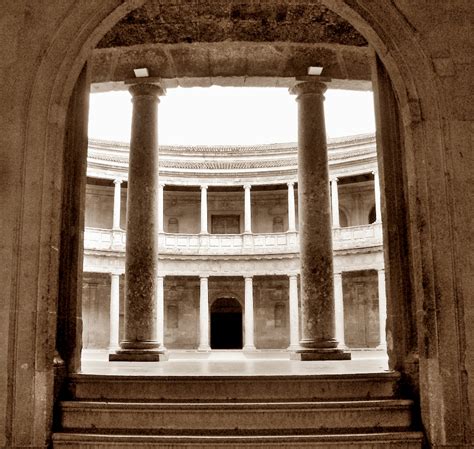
<point x="161" y="206"/>
<point x="114" y="312"/>
<point x="339" y="308"/>
<point x="160" y="311"/>
<point x="294" y="312"/>
<point x="318" y="340"/>
<point x="382" y="309"/>
<point x="204" y="314"/>
<point x="141" y="256"/>
<point x="247" y="210"/>
<point x="204" y="210"/>
<point x="378" y="209"/>
<point x="291" y="207"/>
<point x="249" y="331"/>
<point x="117" y="203"/>
<point x="335" y="203"/>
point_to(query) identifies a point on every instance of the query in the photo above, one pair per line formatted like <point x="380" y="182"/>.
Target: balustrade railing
<point x="354" y="237"/>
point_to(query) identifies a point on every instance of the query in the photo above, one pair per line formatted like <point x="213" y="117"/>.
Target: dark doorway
<point x="226" y="324"/>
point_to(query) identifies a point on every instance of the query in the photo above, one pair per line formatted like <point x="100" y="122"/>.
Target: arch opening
<point x="416" y="86"/>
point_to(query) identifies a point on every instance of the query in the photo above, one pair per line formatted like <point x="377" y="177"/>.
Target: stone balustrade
<point x="354" y="237"/>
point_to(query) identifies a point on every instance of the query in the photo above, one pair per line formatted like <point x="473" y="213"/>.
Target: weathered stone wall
<point x="271" y="308"/>
<point x="361" y="309"/>
<point x="100" y="207"/>
<point x="181" y="302"/>
<point x="356" y="201"/>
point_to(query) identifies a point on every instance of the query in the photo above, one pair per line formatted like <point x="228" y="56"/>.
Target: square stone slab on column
<point x="318" y="354"/>
<point x="132" y="356"/>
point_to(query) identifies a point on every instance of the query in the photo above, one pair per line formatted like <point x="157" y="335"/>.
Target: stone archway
<point x="226" y="324"/>
<point x="431" y="261"/>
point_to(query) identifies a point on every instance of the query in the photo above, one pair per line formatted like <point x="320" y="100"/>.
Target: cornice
<point x="348" y="150"/>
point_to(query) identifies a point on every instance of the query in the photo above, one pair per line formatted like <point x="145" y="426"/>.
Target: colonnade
<point x="249" y="329"/>
<point x="143" y="337"/>
<point x="204" y="323"/>
<point x="247" y="205"/>
<point x="204" y="214"/>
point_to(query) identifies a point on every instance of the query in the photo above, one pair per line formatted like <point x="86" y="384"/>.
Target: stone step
<point x="213" y="418"/>
<point x="233" y="388"/>
<point x="389" y="440"/>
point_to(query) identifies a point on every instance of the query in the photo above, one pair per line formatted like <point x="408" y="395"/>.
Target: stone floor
<point x="236" y="363"/>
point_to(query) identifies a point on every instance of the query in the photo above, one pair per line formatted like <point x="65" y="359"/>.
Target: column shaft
<point x="247" y="210"/>
<point x="161" y="207"/>
<point x="160" y="311"/>
<point x="339" y="308"/>
<point x="294" y="312"/>
<point x="114" y="312"/>
<point x="382" y="308"/>
<point x="204" y="229"/>
<point x="249" y="330"/>
<point x="378" y="208"/>
<point x="204" y="314"/>
<point x="117" y="203"/>
<point x="141" y="256"/>
<point x="318" y="340"/>
<point x="291" y="208"/>
<point x="335" y="203"/>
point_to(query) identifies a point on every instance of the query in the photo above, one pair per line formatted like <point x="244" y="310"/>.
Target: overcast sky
<point x="218" y="115"/>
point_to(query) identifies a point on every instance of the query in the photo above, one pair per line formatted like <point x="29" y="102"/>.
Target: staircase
<point x="356" y="411"/>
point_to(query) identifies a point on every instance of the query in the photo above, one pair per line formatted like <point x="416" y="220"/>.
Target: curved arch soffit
<point x="226" y="295"/>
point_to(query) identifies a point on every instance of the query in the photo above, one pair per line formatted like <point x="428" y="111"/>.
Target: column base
<point x="130" y="355"/>
<point x="293" y="348"/>
<point x="382" y="346"/>
<point x="304" y="354"/>
<point x="249" y="348"/>
<point x="204" y="349"/>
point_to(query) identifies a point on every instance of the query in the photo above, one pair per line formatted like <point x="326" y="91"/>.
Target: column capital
<point x="247" y="186"/>
<point x="375" y="172"/>
<point x="248" y="277"/>
<point x="291" y="183"/>
<point x="146" y="89"/>
<point x="204" y="276"/>
<point x="161" y="276"/>
<point x="204" y="186"/>
<point x="334" y="179"/>
<point x="118" y="180"/>
<point x="293" y="276"/>
<point x="308" y="87"/>
<point x="161" y="184"/>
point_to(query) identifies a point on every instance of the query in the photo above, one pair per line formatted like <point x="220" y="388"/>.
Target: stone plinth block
<point x="320" y="354"/>
<point x="138" y="356"/>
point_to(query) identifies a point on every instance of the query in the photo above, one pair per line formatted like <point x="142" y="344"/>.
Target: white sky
<point x="224" y="115"/>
